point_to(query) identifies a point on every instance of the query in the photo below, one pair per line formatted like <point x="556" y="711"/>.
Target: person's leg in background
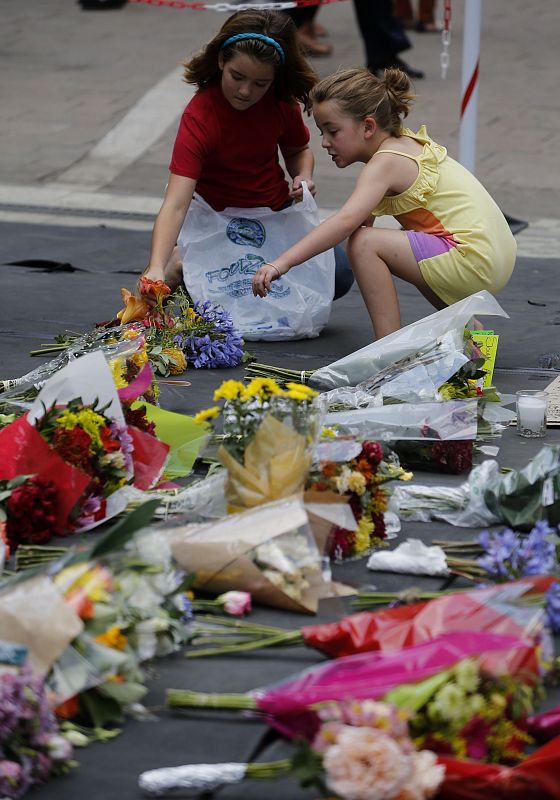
<point x="343" y="275"/>
<point x="304" y="20"/>
<point x="383" y="35"/>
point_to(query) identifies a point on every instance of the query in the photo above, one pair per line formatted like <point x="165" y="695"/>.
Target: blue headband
<point x="261" y="37"/>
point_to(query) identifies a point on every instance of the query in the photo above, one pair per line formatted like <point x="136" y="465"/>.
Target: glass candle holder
<point x="531" y="413"/>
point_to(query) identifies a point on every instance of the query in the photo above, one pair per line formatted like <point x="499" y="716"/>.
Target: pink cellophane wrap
<point x="371" y="675"/>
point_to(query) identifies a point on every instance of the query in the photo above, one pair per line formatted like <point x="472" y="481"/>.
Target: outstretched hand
<point x="262" y="279"/>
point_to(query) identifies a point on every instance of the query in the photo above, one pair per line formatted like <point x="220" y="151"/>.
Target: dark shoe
<point x="406" y="68"/>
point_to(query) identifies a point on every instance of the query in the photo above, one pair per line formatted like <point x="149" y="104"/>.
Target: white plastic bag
<point x="222" y="250"/>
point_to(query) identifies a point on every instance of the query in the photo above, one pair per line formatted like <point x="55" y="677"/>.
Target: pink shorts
<point x="428" y="245"/>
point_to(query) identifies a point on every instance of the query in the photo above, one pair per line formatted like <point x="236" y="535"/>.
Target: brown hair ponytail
<point x="360" y="94"/>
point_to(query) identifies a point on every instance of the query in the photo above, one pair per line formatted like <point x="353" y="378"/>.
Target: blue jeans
<point x="343" y="275"/>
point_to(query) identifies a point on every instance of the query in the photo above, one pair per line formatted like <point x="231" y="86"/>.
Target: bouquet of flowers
<point x="406" y="343"/>
<point x="32" y="748"/>
<point x="179" y="332"/>
<point x="450" y="456"/>
<point x="361" y="751"/>
<point x="471" y="713"/>
<point x="513" y="609"/>
<point x="268" y="551"/>
<point x="268" y="439"/>
<point x="76" y="445"/>
<point x="359" y="481"/>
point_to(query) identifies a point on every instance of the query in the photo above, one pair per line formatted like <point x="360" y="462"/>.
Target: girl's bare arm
<point x="372" y="185"/>
<point x="299" y="164"/>
<point x="169" y="220"/>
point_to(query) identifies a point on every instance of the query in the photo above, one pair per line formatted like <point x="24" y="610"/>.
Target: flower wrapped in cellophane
<point x="360" y="751"/>
<point x="32" y="749"/>
<point x="357" y="480"/>
<point x="76" y="453"/>
<point x="268" y="551"/>
<point x="268" y="439"/>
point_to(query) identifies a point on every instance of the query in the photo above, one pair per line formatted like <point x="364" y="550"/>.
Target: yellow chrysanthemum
<point x="357" y="482"/>
<point x="263" y="388"/>
<point x="87" y="419"/>
<point x="178" y="362"/>
<point x="302" y="389"/>
<point x="206" y="414"/>
<point x="113" y="637"/>
<point x="230" y="390"/>
<point x="139" y="358"/>
<point x="116" y="368"/>
<point x="363" y="534"/>
<point x="131" y="333"/>
<point x="329" y="433"/>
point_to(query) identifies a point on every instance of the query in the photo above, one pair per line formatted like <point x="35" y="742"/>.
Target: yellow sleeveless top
<point x="448" y="201"/>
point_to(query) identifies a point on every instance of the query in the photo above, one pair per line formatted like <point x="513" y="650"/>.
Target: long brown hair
<point x="360" y="94"/>
<point x="294" y="78"/>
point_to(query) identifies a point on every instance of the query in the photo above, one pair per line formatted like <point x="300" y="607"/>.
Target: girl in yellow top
<point x="455" y="241"/>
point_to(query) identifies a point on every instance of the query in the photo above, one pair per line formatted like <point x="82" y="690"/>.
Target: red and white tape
<point x="469" y="84"/>
<point x="239" y="6"/>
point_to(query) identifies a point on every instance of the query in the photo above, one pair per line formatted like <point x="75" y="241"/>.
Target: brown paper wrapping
<point x="275" y="464"/>
<point x="219" y="554"/>
<point x="35" y="614"/>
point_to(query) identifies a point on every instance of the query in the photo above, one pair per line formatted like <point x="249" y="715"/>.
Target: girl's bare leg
<point x="376" y="255"/>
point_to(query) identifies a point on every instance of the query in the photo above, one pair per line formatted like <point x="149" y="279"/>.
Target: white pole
<point x="469" y="84"/>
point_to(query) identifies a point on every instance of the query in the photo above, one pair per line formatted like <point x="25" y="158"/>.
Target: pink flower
<point x="235" y="603"/>
<point x="365" y="764"/>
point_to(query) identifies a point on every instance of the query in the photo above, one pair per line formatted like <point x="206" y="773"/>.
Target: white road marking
<point x="141" y="127"/>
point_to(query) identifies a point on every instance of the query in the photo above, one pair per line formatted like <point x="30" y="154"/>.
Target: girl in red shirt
<point x="251" y="78"/>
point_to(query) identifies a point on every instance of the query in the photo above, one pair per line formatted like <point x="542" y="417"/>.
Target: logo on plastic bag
<point x="237" y="279"/>
<point x="246" y="232"/>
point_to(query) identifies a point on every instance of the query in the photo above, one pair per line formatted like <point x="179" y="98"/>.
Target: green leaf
<point x="123" y="693"/>
<point x="308" y="767"/>
<point x="101" y="710"/>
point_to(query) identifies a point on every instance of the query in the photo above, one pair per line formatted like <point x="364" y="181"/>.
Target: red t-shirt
<point x="233" y="155"/>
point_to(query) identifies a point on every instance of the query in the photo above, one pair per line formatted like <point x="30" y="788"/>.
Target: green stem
<point x="184" y="698"/>
<point x="241" y="624"/>
<point x="281" y="640"/>
<point x="270" y="769"/>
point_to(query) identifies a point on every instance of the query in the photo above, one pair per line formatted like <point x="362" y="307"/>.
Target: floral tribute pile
<point x="360" y="480"/>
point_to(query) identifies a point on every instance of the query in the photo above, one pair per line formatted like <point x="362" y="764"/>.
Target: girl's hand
<point x="263" y="277"/>
<point x="296" y="192"/>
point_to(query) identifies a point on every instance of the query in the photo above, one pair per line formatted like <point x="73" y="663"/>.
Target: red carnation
<point x="31" y="512"/>
<point x="110" y="444"/>
<point x="341" y="543"/>
<point x="138" y="419"/>
<point x="74" y="447"/>
<point x="373" y="452"/>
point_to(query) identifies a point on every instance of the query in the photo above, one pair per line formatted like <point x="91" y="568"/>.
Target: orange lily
<point x="158" y="289"/>
<point x="135" y="308"/>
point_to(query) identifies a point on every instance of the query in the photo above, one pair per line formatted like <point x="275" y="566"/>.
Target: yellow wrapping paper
<point x="275" y="465"/>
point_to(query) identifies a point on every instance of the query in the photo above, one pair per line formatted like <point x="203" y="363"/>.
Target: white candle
<point x="531" y="412"/>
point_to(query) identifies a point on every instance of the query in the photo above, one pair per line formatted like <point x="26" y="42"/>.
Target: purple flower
<point x="553" y="607"/>
<point x="14" y="779"/>
<point x="509" y="555"/>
